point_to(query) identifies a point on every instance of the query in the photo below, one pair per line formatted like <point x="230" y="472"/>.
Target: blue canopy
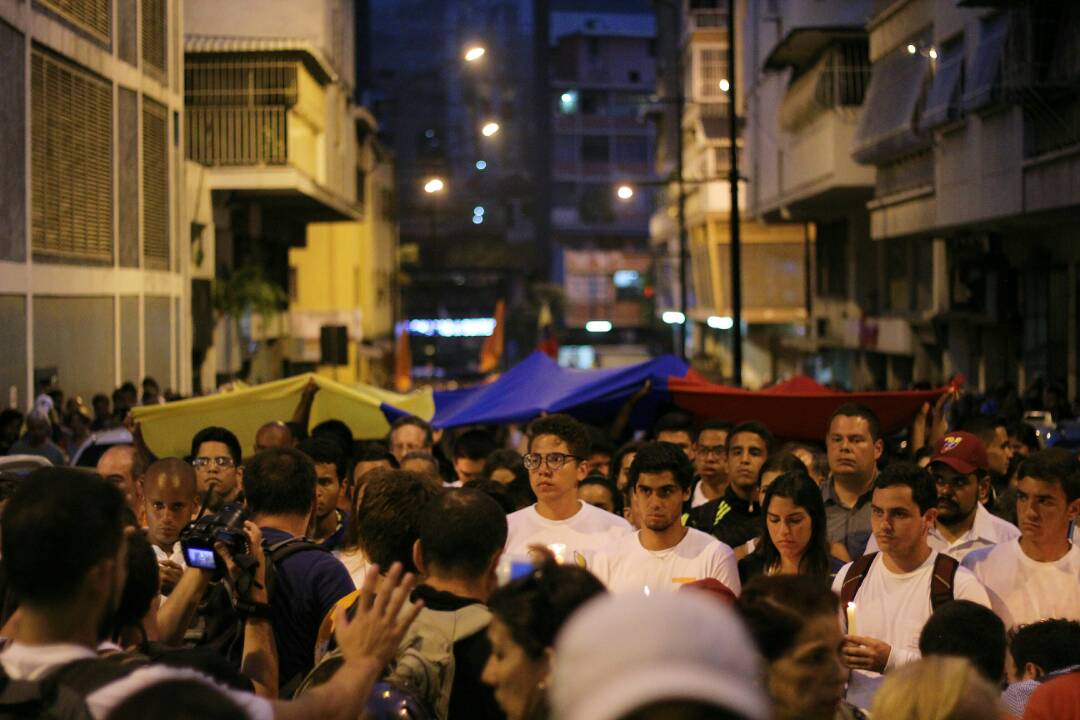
<point x="538" y="385"/>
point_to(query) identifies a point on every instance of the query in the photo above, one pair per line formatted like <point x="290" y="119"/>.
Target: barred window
<point x="94" y="16"/>
<point x="153" y="33"/>
<point x="712" y="68"/>
<point x="155" y="184"/>
<point x="72" y="151"/>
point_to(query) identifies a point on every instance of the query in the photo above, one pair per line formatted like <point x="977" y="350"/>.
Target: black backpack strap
<point x="854" y="580"/>
<point x="943" y="580"/>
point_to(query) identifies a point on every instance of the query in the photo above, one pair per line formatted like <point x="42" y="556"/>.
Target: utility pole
<point x="733" y="175"/>
<point x="680" y="109"/>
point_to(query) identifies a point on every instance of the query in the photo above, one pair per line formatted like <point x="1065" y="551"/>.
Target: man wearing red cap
<point x="960" y="469"/>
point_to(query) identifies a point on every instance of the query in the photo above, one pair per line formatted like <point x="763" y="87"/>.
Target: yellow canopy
<point x="168" y="429"/>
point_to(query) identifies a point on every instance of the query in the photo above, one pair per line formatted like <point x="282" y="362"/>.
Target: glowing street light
<point x="625" y="192"/>
<point x="911" y="49"/>
<point x="598" y="326"/>
<point x="490" y="128"/>
<point x="932" y="53"/>
<point x="673" y="317"/>
<point x="474" y="53"/>
<point x="725" y="85"/>
<point x="720" y="322"/>
<point x="434" y="185"/>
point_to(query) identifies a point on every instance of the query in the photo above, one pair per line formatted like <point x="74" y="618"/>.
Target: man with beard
<point x="172" y="499"/>
<point x="993" y="433"/>
<point x="215" y="455"/>
<point x="959" y="467"/>
<point x="663" y="555"/>
<point x="893" y="591"/>
<point x="70" y="592"/>
<point x="735" y="517"/>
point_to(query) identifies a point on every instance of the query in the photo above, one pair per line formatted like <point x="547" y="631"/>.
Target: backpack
<point x="941" y="581"/>
<point x="224" y="630"/>
<point x="61" y="693"/>
<point x="424" y="665"/>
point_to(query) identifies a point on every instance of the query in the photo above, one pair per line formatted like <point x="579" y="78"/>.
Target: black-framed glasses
<point x="554" y="460"/>
<point x="717" y="450"/>
<point x="222" y="461"/>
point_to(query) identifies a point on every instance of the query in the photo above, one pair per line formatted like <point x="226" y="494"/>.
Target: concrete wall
<point x="13" y="361"/>
<point x="12" y="144"/>
<point x="74" y="335"/>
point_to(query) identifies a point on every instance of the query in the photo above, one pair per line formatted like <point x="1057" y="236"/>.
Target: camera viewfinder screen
<point x="199" y="558"/>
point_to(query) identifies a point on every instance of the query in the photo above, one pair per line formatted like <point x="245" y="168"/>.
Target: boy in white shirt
<point x="893" y="599"/>
<point x="663" y="554"/>
<point x="1038" y="575"/>
<point x="557" y="461"/>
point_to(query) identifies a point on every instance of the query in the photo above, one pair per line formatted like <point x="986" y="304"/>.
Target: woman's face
<point x="515" y="676"/>
<point x="789" y="527"/>
<point x="807" y="682"/>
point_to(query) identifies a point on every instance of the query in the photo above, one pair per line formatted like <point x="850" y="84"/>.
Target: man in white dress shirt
<point x="557" y="461"/>
<point x="663" y="555"/>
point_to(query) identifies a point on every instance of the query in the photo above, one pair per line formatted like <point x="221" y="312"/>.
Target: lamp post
<point x="733" y="182"/>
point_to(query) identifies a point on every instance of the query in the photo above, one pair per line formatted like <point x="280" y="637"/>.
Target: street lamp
<point x="490" y="128"/>
<point x="625" y="192"/>
<point x="434" y="185"/>
<point x="474" y="53"/>
<point x="725" y="85"/>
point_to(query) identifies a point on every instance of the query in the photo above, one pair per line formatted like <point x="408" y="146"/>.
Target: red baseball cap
<point x="961" y="451"/>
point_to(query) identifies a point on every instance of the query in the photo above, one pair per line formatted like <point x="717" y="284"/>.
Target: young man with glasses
<point x="710" y="462"/>
<point x="215" y="455"/>
<point x="663" y="555"/>
<point x="557" y="461"/>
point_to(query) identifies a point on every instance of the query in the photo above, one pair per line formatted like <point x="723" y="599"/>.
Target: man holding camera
<point x="279" y="485"/>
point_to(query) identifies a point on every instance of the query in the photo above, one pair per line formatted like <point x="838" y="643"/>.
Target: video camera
<point x="198" y="538"/>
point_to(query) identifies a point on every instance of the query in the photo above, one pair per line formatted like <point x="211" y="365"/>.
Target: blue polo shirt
<point x="306" y="587"/>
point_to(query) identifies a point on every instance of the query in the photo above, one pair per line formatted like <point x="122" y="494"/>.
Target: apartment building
<point x="94" y="268"/>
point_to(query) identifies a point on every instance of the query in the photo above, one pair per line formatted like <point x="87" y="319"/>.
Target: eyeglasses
<point x="717" y="450"/>
<point x="554" y="460"/>
<point x="222" y="461"/>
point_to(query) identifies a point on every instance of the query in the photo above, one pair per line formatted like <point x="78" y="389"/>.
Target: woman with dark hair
<point x="619" y="473"/>
<point x="506" y="467"/>
<point x="794" y="621"/>
<point x="795" y="538"/>
<point x="527" y="614"/>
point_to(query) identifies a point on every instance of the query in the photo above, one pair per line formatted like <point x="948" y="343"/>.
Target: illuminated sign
<point x="453" y="327"/>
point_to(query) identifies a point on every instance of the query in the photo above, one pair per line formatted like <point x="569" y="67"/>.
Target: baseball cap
<point x="961" y="451"/>
<point x="621" y="652"/>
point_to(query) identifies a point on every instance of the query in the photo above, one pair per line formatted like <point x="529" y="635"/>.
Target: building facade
<point x="94" y="268"/>
<point x="961" y="208"/>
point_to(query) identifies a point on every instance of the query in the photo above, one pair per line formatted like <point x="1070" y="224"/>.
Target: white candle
<point x="559" y="551"/>
<point x="851" y="618"/>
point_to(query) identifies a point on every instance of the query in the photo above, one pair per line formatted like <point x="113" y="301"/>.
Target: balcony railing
<point x="224" y="136"/>
<point x="823" y="88"/>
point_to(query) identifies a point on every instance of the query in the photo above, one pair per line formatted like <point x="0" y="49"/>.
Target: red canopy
<point x="797" y="409"/>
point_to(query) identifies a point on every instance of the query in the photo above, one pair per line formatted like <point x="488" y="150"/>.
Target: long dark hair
<point x="804" y="492"/>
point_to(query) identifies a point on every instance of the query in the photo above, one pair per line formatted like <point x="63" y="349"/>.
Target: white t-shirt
<point x="356" y="562"/>
<point x="987" y="530"/>
<point x="588" y="530"/>
<point x="1023" y="590"/>
<point x="25" y="662"/>
<point x="699" y="498"/>
<point x="893" y="608"/>
<point x="627" y="567"/>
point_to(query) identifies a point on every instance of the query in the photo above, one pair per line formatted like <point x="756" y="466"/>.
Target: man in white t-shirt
<point x="1038" y="575"/>
<point x="70" y="591"/>
<point x="893" y="601"/>
<point x="663" y="555"/>
<point x="571" y="529"/>
<point x="959" y="467"/>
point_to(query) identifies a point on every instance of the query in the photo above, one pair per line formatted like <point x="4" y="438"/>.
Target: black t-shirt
<point x="728" y="518"/>
<point x="470" y="697"/>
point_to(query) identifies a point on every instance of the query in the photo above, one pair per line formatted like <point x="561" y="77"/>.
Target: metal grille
<point x="72" y="150"/>
<point x="712" y="69"/>
<point x="153" y="33"/>
<point x="92" y="15"/>
<point x="249" y="81"/>
<point x="155" y="184"/>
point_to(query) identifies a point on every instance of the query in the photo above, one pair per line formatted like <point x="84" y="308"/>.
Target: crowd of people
<point x="698" y="570"/>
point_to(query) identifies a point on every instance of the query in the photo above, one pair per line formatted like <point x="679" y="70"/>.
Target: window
<point x="943" y="100"/>
<point x="92" y="15"/>
<point x="595" y="149"/>
<point x="631" y="149"/>
<point x="712" y="68"/>
<point x="154" y="36"/>
<point x="984" y="76"/>
<point x="831" y="264"/>
<point x="634" y="76"/>
<point x="71" y="186"/>
<point x="566" y="149"/>
<point x="155" y="184"/>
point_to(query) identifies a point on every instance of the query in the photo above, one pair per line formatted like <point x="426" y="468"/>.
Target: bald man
<point x="123" y="466"/>
<point x="274" y="434"/>
<point x="172" y="498"/>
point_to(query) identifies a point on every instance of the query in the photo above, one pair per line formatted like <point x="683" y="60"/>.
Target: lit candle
<point x="559" y="551"/>
<point x="851" y="618"/>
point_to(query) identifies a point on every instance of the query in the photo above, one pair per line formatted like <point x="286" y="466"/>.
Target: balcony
<point x="230" y="136"/>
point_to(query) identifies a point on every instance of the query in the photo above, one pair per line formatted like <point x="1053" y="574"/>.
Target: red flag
<point x="403" y="360"/>
<point x="545" y="341"/>
<point x="491" y="352"/>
